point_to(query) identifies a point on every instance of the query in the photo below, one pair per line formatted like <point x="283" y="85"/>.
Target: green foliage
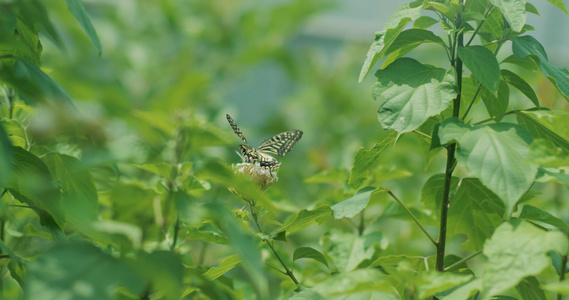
<point x="119" y="179"/>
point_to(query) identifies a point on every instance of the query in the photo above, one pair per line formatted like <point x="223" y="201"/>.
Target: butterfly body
<point x="279" y="144"/>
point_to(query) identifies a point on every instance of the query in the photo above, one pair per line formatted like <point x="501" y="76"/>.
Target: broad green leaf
<point x="523" y="46"/>
<point x="78" y="192"/>
<point x="78" y="10"/>
<point x="492" y="28"/>
<point x="547" y="125"/>
<point x="507" y="265"/>
<point x="411" y="93"/>
<point x="123" y="235"/>
<point x="466" y="291"/>
<point x="530" y="289"/>
<point x="160" y="168"/>
<point x="514" y="11"/>
<point x="354" y="205"/>
<point x="34" y="85"/>
<point x="19" y="41"/>
<point x="560" y="5"/>
<point x="551" y="174"/>
<point x="78" y="271"/>
<point x="15" y="132"/>
<point x="347" y="283"/>
<point x="347" y="250"/>
<point x="483" y="65"/>
<point x="205" y="235"/>
<point x="433" y="282"/>
<point x="519" y="83"/>
<point x="533" y="213"/>
<point x="530" y="62"/>
<point x="474" y="211"/>
<point x="432" y="192"/>
<point x="304" y="217"/>
<point x="132" y="203"/>
<point x="393" y="27"/>
<point x="34" y="12"/>
<point x="365" y="159"/>
<point x="308" y="252"/>
<point x="162" y="269"/>
<point x="494" y="153"/>
<point x="225" y="266"/>
<point x="424" y="22"/>
<point x="408" y="40"/>
<point x="31" y="183"/>
<point x="5" y="157"/>
<point x="496" y="104"/>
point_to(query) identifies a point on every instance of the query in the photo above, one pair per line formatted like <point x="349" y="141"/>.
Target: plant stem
<point x="176" y="230"/>
<point x="412" y="216"/>
<point x="255" y="221"/>
<point x="463" y="260"/>
<point x="441" y="243"/>
<point x="562" y="273"/>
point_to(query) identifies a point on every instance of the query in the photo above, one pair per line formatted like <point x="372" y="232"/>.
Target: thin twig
<point x="462" y="260"/>
<point x="412" y="217"/>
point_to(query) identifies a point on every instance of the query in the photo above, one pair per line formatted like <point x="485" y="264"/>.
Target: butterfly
<point x="279" y="144"/>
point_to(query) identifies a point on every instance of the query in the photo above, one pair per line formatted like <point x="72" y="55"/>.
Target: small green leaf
<point x="354" y="205"/>
<point x="348" y="250"/>
<point x="530" y="289"/>
<point x="519" y="83"/>
<point x="408" y="40"/>
<point x="496" y="105"/>
<point x="523" y="46"/>
<point x="547" y="125"/>
<point x="533" y="213"/>
<point x="160" y="168"/>
<point x="507" y="265"/>
<point x="494" y="153"/>
<point x="483" y="65"/>
<point x="225" y="266"/>
<point x="560" y="5"/>
<point x="529" y="62"/>
<point x="412" y="92"/>
<point x="308" y="252"/>
<point x="432" y="283"/>
<point x="304" y="217"/>
<point x="333" y="175"/>
<point x="365" y="159"/>
<point x="432" y="192"/>
<point x="466" y="291"/>
<point x="514" y="11"/>
<point x="561" y="287"/>
<point x="546" y="153"/>
<point x="34" y="11"/>
<point x="78" y="10"/>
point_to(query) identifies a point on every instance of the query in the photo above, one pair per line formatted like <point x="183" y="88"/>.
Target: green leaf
<point x="393" y="27"/>
<point x="34" y="12"/>
<point x="474" y="211"/>
<point x="306" y="294"/>
<point x="523" y="46"/>
<point x="77" y="8"/>
<point x="465" y="292"/>
<point x="308" y="252"/>
<point x="416" y="262"/>
<point x="160" y="168"/>
<point x="546" y="153"/>
<point x="31" y="183"/>
<point x="560" y="5"/>
<point x="365" y="159"/>
<point x="348" y="250"/>
<point x="530" y="289"/>
<point x="408" y="40"/>
<point x="78" y="271"/>
<point x="514" y="11"/>
<point x="354" y="205"/>
<point x="353" y="282"/>
<point x="507" y="265"/>
<point x="411" y="93"/>
<point x="78" y="192"/>
<point x="432" y="283"/>
<point x="547" y="125"/>
<point x="530" y="62"/>
<point x="496" y="104"/>
<point x="432" y="192"/>
<point x="424" y="22"/>
<point x="332" y="175"/>
<point x="519" y="83"/>
<point x="304" y="217"/>
<point x="561" y="287"/>
<point x="483" y="65"/>
<point x="494" y="153"/>
<point x="5" y="157"/>
<point x="225" y="266"/>
<point x="533" y="213"/>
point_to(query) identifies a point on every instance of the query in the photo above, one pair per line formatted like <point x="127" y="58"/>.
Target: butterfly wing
<point x="281" y="143"/>
<point x="236" y="129"/>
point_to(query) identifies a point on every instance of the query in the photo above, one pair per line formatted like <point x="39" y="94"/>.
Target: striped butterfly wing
<point x="236" y="129"/>
<point x="281" y="143"/>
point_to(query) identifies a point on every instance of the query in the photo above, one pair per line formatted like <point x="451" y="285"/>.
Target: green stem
<point x="450" y="164"/>
<point x="361" y="227"/>
<point x="462" y="260"/>
<point x="176" y="230"/>
<point x="412" y="217"/>
<point x="562" y="273"/>
<point x="255" y="221"/>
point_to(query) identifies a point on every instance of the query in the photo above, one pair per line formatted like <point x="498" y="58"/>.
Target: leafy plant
<point x="117" y="177"/>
